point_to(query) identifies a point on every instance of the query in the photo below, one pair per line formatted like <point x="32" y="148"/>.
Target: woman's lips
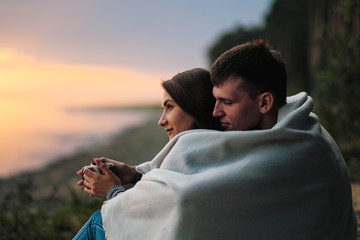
<point x="169" y="131"/>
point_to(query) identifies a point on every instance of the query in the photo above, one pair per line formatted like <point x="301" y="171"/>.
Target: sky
<point x="56" y="55"/>
<point x="109" y="52"/>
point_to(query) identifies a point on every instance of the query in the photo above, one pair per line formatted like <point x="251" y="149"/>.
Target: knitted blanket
<point x="288" y="182"/>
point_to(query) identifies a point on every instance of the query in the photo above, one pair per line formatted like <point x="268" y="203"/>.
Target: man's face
<point x="234" y="107"/>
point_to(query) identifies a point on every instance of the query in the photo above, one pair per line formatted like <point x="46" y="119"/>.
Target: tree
<point x="230" y="39"/>
<point x="338" y="83"/>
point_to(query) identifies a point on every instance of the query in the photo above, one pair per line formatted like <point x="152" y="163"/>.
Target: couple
<point x="284" y="179"/>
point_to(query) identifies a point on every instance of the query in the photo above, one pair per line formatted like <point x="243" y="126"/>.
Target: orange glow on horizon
<point x="24" y="76"/>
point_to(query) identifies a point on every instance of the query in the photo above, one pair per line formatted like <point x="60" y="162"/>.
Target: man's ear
<point x="266" y="102"/>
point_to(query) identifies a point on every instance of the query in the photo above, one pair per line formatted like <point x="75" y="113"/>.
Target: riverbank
<point x="47" y="204"/>
<point x="132" y="146"/>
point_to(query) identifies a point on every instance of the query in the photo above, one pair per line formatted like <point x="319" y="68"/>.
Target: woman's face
<point x="173" y="119"/>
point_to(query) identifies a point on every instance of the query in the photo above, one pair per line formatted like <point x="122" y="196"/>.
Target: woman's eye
<point x="169" y="106"/>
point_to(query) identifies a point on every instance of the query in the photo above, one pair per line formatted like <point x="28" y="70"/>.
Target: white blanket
<point x="288" y="182"/>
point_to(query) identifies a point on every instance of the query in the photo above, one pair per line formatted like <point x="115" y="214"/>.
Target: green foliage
<point x="22" y="217"/>
<point x="233" y="38"/>
<point x="338" y="90"/>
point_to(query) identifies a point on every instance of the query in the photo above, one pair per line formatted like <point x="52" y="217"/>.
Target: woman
<point x="187" y="104"/>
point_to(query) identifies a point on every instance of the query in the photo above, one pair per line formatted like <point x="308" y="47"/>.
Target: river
<point x="33" y="133"/>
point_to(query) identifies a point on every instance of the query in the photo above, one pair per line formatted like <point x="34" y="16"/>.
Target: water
<point x="34" y="133"/>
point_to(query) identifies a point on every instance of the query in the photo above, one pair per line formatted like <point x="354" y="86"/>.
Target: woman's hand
<point x="124" y="172"/>
<point x="97" y="184"/>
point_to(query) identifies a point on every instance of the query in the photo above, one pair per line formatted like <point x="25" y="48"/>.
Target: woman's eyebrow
<point x="166" y="101"/>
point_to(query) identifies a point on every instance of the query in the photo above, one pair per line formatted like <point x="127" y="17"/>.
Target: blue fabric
<point x="93" y="228"/>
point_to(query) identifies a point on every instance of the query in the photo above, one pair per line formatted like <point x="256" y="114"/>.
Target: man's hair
<point x="260" y="66"/>
<point x="192" y="91"/>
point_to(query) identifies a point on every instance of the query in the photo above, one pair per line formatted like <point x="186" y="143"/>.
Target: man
<point x="250" y="86"/>
<point x="274" y="174"/>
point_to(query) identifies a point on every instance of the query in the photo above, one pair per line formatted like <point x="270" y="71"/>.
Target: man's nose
<point x="218" y="112"/>
<point x="162" y="121"/>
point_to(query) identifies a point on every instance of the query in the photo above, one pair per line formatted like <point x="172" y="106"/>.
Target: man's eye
<point x="227" y="102"/>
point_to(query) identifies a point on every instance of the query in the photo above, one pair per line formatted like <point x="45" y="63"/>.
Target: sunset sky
<point x="109" y="52"/>
<point x="56" y="55"/>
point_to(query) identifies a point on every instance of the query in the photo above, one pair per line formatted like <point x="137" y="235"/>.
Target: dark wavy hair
<point x="192" y="91"/>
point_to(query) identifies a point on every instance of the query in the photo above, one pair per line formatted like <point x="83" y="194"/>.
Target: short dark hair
<point x="258" y="64"/>
<point x="192" y="91"/>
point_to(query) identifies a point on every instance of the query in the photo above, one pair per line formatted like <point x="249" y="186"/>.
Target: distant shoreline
<point x="132" y="146"/>
<point x="92" y="126"/>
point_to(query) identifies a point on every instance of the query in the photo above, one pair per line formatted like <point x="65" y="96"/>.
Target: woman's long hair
<point x="192" y="91"/>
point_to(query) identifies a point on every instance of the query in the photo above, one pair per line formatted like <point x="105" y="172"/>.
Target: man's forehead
<point x="233" y="82"/>
<point x="228" y="89"/>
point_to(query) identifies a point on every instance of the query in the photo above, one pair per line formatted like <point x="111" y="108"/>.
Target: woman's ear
<point x="266" y="102"/>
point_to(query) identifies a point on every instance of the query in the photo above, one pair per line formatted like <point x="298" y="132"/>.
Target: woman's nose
<point x="162" y="121"/>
